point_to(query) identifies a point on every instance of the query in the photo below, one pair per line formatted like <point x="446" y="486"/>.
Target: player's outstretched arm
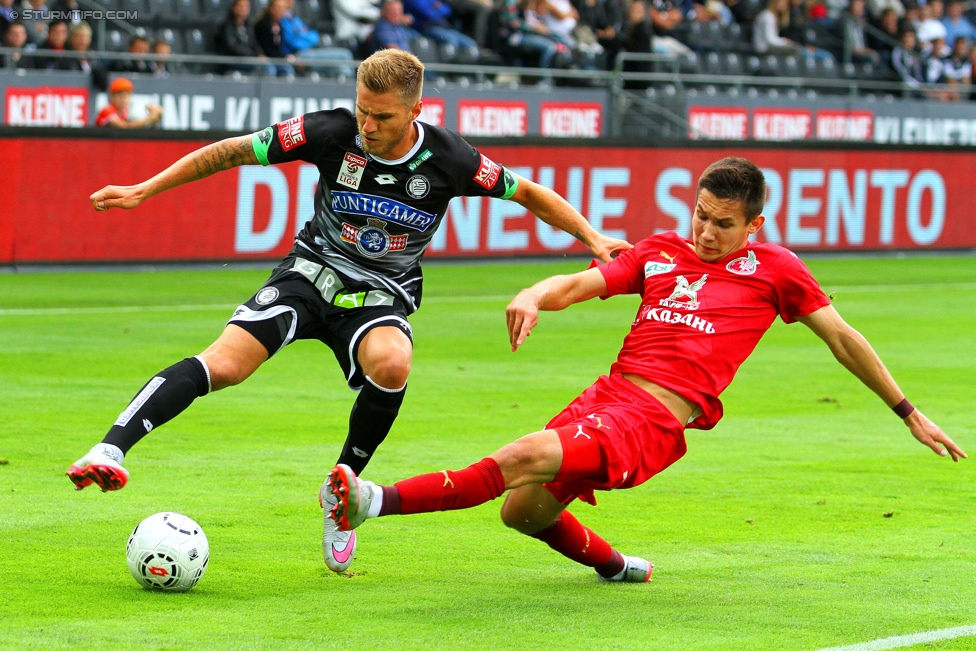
<point x="551" y="208"/>
<point x="853" y="351"/>
<point x="205" y="161"/>
<point x="554" y="293"/>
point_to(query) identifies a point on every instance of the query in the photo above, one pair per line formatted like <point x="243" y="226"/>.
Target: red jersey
<point x="107" y="114"/>
<point x="698" y="320"/>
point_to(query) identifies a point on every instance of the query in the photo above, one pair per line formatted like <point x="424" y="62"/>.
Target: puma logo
<point x="665" y="255"/>
<point x="447" y="480"/>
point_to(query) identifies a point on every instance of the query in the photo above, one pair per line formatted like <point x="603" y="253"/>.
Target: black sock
<point x="162" y="399"/>
<point x="370" y="421"/>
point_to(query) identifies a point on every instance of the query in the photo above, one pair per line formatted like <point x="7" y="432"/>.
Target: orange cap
<point x="119" y="85"/>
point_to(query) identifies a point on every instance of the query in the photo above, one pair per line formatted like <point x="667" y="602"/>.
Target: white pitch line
<point x="908" y="640"/>
<point x="898" y="288"/>
<point x="123" y="309"/>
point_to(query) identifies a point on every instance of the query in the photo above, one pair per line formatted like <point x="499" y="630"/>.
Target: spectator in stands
<point x="809" y="24"/>
<point x="912" y="17"/>
<point x="935" y="72"/>
<point x="886" y="41"/>
<point x="930" y="25"/>
<point x="605" y="19"/>
<point x="766" y="30"/>
<point x="637" y="38"/>
<point x="667" y="22"/>
<point x="79" y="40"/>
<point x="236" y="38"/>
<point x="910" y="66"/>
<point x="116" y="114"/>
<point x="956" y="24"/>
<point x="64" y="7"/>
<point x="8" y="14"/>
<point x="972" y="67"/>
<point x="957" y="68"/>
<point x="877" y="7"/>
<point x="36" y="24"/>
<point x="16" y="37"/>
<point x="268" y="32"/>
<point x="559" y="19"/>
<point x="139" y="45"/>
<point x="306" y="43"/>
<point x="766" y="37"/>
<point x="836" y="10"/>
<point x="430" y="18"/>
<point x="743" y="12"/>
<point x="705" y="11"/>
<point x="523" y="44"/>
<point x="474" y="16"/>
<point x="354" y="19"/>
<point x="57" y="36"/>
<point x="163" y="68"/>
<point x="393" y="30"/>
<point x="853" y="22"/>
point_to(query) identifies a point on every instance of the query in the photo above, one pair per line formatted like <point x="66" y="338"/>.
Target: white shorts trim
<point x="353" y="366"/>
<point x="244" y="313"/>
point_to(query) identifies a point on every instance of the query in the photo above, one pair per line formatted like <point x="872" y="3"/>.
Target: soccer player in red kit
<point x="706" y="303"/>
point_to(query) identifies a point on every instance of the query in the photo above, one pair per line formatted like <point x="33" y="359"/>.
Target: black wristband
<point x="903" y="409"/>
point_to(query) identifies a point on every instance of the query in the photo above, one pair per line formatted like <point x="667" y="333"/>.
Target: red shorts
<point x="634" y="435"/>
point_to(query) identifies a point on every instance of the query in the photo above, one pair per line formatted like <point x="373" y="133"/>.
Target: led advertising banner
<point x="825" y="200"/>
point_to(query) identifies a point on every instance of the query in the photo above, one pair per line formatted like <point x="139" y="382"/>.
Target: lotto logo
<point x="291" y="132"/>
<point x="488" y="173"/>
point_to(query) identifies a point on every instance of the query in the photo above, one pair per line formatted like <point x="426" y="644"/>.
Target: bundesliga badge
<point x="351" y="171"/>
<point x="744" y="266"/>
<point x="372" y="240"/>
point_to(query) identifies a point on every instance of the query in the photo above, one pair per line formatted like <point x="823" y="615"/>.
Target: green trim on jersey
<point x="261" y="141"/>
<point x="511" y="183"/>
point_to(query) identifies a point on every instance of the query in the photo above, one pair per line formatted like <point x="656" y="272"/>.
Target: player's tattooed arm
<point x="223" y="155"/>
<point x="196" y="165"/>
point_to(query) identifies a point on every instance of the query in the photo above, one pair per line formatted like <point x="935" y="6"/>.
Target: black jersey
<point x="373" y="217"/>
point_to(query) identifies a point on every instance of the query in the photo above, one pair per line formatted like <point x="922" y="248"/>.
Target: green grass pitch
<point x="808" y="518"/>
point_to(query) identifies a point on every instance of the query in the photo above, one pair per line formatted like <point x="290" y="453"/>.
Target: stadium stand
<point x="721" y="60"/>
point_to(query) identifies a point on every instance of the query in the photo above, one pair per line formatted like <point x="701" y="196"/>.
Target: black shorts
<point x="307" y="300"/>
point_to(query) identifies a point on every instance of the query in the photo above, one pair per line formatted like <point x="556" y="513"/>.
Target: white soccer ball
<point x="167" y="551"/>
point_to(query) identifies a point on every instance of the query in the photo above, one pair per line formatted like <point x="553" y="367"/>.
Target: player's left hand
<point x="931" y="435"/>
<point x="522" y="315"/>
<point x="116" y="196"/>
<point x="605" y="248"/>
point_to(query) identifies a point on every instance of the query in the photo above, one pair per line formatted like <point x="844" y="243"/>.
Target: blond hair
<point x="80" y="27"/>
<point x="393" y="70"/>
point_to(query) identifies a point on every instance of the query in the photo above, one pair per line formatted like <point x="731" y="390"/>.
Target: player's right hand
<point x="929" y="434"/>
<point x="116" y="196"/>
<point x="522" y="315"/>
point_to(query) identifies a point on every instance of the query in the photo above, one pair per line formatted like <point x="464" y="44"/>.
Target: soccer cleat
<point x="636" y="570"/>
<point x="102" y="466"/>
<point x="352" y="496"/>
<point x="338" y="547"/>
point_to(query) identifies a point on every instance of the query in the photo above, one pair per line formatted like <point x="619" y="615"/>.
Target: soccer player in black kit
<point x="353" y="276"/>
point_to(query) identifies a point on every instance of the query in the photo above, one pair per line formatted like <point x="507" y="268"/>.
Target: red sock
<point x="448" y="490"/>
<point x="571" y="539"/>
